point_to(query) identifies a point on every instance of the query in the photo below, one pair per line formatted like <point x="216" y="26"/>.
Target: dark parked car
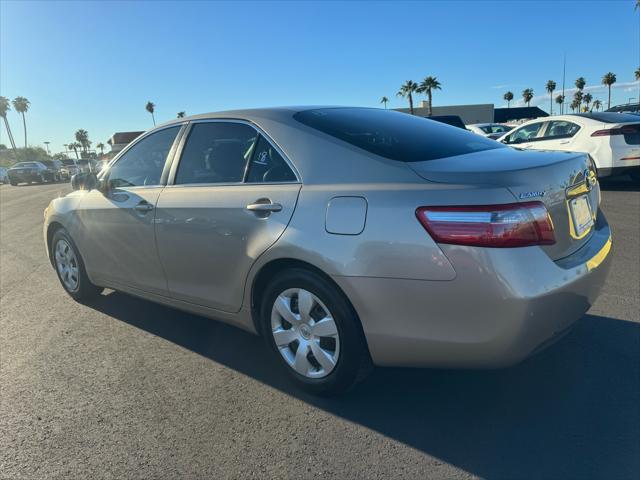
<point x="453" y="120"/>
<point x="55" y="167"/>
<point x="28" y="172"/>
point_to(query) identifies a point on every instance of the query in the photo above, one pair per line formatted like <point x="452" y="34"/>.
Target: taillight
<point x="496" y="226"/>
<point x="625" y="130"/>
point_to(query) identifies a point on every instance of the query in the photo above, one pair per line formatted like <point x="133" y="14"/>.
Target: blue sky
<point x="94" y="65"/>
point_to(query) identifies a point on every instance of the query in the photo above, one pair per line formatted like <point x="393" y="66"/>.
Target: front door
<point x="117" y="224"/>
<point x="232" y="197"/>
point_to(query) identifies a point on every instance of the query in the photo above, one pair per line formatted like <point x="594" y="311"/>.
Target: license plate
<point x="581" y="215"/>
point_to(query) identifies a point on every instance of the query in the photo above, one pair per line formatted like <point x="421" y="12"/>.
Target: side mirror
<point x="84" y="181"/>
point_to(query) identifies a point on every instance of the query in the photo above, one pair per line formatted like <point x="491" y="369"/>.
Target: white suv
<point x="611" y="139"/>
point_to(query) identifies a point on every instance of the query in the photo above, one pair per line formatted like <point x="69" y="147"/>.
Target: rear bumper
<point x="503" y="305"/>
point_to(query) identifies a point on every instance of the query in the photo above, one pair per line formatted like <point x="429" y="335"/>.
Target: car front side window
<point x="143" y="163"/>
<point x="525" y="134"/>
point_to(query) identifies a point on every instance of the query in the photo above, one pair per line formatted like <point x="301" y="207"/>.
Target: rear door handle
<point x="143" y="207"/>
<point x="264" y="207"/>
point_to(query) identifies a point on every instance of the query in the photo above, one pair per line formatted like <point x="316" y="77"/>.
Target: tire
<point x="13" y="183"/>
<point x="344" y="354"/>
<point x="82" y="289"/>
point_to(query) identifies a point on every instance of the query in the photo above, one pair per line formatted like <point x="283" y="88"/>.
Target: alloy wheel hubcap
<point x="305" y="333"/>
<point x="67" y="264"/>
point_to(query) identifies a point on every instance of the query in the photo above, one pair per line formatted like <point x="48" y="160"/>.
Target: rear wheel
<point x="313" y="332"/>
<point x="70" y="267"/>
<point x="13" y="182"/>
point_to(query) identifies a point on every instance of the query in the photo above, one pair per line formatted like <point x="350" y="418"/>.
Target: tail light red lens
<point x="496" y="226"/>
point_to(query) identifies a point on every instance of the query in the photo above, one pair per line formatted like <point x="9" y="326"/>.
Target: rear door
<point x="230" y="197"/>
<point x="558" y="135"/>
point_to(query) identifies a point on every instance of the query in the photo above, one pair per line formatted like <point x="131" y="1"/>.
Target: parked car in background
<point x="84" y="166"/>
<point x="612" y="140"/>
<point x="490" y="130"/>
<point x="343" y="236"/>
<point x="29" y="172"/>
<point x="453" y="120"/>
<point x="69" y="167"/>
<point x="626" y="108"/>
<point x="54" y="166"/>
<point x="3" y="175"/>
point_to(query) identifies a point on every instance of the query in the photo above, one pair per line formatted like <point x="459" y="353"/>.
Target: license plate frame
<point x="581" y="215"/>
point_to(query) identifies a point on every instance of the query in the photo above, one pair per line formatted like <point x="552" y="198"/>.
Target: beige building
<point x="477" y="113"/>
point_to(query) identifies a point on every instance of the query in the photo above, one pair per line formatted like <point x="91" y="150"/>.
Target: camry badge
<point x="539" y="193"/>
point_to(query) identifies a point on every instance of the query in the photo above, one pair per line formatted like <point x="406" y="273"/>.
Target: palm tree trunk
<point x="551" y="103"/>
<point x="154" y="119"/>
<point x="9" y="134"/>
<point x="24" y="124"/>
<point x="430" y="101"/>
<point x="411" y="104"/>
<point x="609" y="101"/>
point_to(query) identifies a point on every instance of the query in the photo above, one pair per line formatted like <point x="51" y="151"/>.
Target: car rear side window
<point x="216" y="152"/>
<point x="395" y="135"/>
<point x="560" y="129"/>
<point x="268" y="166"/>
<point x="143" y="163"/>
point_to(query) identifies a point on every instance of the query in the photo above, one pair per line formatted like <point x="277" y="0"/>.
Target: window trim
<point x="103" y="176"/>
<point x="177" y="158"/>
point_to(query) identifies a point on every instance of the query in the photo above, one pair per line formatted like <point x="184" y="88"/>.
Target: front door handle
<point x="143" y="207"/>
<point x="264" y="207"/>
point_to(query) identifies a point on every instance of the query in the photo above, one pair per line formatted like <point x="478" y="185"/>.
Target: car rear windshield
<point x="25" y="165"/>
<point x="610" y="117"/>
<point x="395" y="135"/>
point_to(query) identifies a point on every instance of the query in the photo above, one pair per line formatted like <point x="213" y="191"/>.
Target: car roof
<point x="274" y="113"/>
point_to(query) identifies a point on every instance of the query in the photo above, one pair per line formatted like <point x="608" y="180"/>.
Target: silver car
<point x="346" y="237"/>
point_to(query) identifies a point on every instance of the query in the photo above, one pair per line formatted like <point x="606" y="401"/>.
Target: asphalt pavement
<point x="123" y="388"/>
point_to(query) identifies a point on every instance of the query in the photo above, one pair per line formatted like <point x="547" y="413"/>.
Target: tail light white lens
<point x="496" y="226"/>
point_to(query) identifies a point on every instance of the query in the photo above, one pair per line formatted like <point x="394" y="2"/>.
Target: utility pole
<point x="564" y="72"/>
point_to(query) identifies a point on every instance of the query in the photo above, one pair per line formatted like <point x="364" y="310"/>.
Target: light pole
<point x="47" y="145"/>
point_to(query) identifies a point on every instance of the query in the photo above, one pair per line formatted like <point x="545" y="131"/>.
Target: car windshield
<point x="395" y="135"/>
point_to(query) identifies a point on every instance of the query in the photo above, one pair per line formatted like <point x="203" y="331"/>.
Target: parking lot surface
<point x="124" y="388"/>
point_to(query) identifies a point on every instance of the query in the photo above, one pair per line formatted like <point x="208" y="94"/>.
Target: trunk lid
<point x="565" y="182"/>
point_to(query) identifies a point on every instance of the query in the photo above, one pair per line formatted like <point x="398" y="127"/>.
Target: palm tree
<point x="551" y="86"/>
<point x="75" y="146"/>
<point x="180" y="115"/>
<point x="560" y="99"/>
<point x="21" y="106"/>
<point x="407" y="90"/>
<point x="384" y="100"/>
<point x="574" y="105"/>
<point x="5" y="106"/>
<point x="508" y="97"/>
<point x="577" y="98"/>
<point x="637" y="72"/>
<point x="597" y="104"/>
<point x="587" y="100"/>
<point x="609" y="79"/>
<point x="527" y="95"/>
<point x="151" y="107"/>
<point x="580" y="83"/>
<point x="428" y="85"/>
<point x="82" y="136"/>
<point x="101" y="147"/>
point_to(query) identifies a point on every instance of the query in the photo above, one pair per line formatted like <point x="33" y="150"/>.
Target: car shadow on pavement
<point x="572" y="411"/>
<point x="619" y="184"/>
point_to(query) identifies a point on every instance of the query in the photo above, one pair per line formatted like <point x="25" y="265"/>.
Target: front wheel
<point x="314" y="332"/>
<point x="70" y="267"/>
